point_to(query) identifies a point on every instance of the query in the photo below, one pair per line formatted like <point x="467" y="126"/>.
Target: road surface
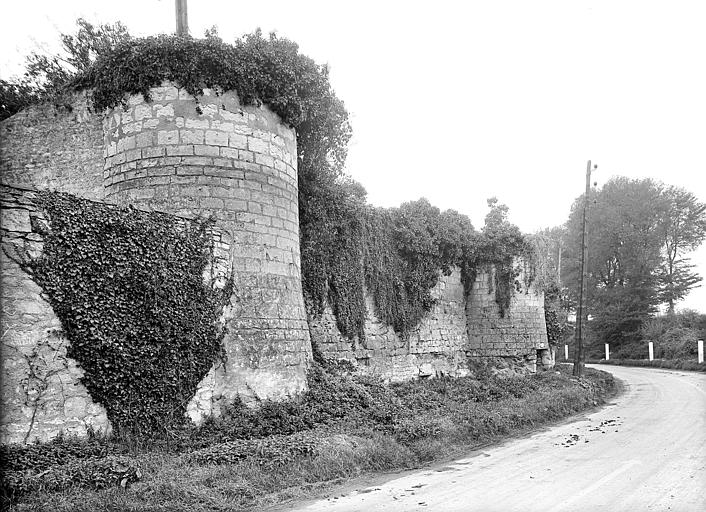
<point x="644" y="452"/>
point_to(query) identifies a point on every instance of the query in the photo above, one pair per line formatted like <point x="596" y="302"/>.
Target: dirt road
<point x="645" y="452"/>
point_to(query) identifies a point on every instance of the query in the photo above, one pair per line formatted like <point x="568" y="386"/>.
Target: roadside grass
<point x="671" y="364"/>
<point x="345" y="426"/>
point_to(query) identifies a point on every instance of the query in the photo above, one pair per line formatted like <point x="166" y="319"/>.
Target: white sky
<point x="458" y="101"/>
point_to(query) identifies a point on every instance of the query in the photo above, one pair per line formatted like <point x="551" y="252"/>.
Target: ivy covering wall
<point x="128" y="287"/>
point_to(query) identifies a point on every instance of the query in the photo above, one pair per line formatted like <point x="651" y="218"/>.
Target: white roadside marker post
<point x="652" y="351"/>
<point x="566" y="352"/>
<point x="701" y="351"/>
<point x="607" y="352"/>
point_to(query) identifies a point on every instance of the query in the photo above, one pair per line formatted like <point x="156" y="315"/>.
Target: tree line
<point x="640" y="233"/>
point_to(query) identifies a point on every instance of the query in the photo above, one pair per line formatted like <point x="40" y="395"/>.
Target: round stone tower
<point x="239" y="164"/>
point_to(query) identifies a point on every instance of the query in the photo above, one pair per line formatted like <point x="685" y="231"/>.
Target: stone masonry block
<point x="203" y="150"/>
<point x="235" y="204"/>
<point x="168" y="137"/>
<point x="197" y="160"/>
<point x="229" y="153"/>
<point x="216" y="138"/>
<point x="15" y="220"/>
<point x="183" y="150"/>
<point x="144" y="140"/>
<point x="258" y="145"/>
<point x="246" y="156"/>
<point x="163" y="110"/>
<point x="222" y="162"/>
<point x="191" y="136"/>
<point x="238" y="141"/>
<point x="203" y="124"/>
<point x="150" y="124"/>
<point x="222" y="126"/>
<point x="133" y="154"/>
<point x="264" y="160"/>
<point x="143" y="111"/>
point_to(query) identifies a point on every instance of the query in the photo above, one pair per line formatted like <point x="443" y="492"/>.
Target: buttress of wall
<point x="520" y="333"/>
<point x="436" y="347"/>
<point x="54" y="147"/>
<point x="40" y="389"/>
<point x="238" y="164"/>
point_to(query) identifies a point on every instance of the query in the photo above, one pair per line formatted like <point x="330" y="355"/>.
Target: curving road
<point x="644" y="452"/>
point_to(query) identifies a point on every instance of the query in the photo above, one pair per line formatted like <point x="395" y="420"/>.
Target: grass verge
<point x="672" y="364"/>
<point x="344" y="426"/>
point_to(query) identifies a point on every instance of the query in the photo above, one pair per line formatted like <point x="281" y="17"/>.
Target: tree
<point x="624" y="242"/>
<point x="683" y="229"/>
<point x="46" y="76"/>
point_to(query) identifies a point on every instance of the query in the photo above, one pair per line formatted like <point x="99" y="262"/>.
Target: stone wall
<point x="54" y="147"/>
<point x="40" y="389"/>
<point x="519" y="333"/>
<point x="238" y="164"/>
<point x="435" y="347"/>
<point x="459" y="328"/>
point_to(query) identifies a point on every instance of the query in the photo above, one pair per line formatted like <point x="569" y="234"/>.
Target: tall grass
<point x="381" y="428"/>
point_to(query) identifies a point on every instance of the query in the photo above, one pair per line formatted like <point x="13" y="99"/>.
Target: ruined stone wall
<point x="238" y="164"/>
<point x="233" y="162"/>
<point x="436" y="347"/>
<point x="54" y="147"/>
<point x="459" y="328"/>
<point x="39" y="388"/>
<point x="517" y="334"/>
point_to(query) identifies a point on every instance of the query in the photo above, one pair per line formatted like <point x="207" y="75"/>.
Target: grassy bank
<point x="672" y="364"/>
<point x="342" y="427"/>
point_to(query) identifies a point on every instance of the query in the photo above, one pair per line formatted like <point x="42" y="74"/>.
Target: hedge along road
<point x="646" y="451"/>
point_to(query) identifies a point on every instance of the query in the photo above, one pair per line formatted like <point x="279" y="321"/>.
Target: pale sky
<point x="458" y="101"/>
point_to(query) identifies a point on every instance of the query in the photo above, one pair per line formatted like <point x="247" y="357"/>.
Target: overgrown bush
<point x="674" y="336"/>
<point x="91" y="473"/>
<point x="273" y="450"/>
<point x="332" y="395"/>
<point x="60" y="450"/>
<point x="420" y="427"/>
<point x="678" y="343"/>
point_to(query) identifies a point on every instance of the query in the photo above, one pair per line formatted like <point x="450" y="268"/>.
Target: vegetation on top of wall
<point x="407" y="249"/>
<point x="398" y="255"/>
<point x="259" y="70"/>
<point x="346" y="246"/>
<point x="128" y="288"/>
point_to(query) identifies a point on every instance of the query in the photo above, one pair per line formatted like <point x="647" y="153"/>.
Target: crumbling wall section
<point x="436" y="347"/>
<point x="460" y="328"/>
<point x="52" y="146"/>
<point x="40" y="390"/>
<point x="516" y="334"/>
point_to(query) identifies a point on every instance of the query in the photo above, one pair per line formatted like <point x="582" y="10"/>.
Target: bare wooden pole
<point x="182" y="20"/>
<point x="579" y="355"/>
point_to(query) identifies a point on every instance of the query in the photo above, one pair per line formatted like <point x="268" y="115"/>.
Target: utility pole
<point x="579" y="355"/>
<point x="182" y="21"/>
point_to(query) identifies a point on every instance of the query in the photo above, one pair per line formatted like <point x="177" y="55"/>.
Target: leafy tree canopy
<point x="638" y="234"/>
